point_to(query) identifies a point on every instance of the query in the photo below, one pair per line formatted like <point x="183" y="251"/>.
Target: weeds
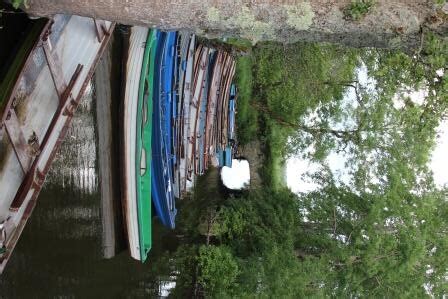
<point x="358" y="9"/>
<point x="17" y="3"/>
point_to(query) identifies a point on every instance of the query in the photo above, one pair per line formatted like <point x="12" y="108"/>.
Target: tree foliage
<point x="376" y="243"/>
<point x="381" y="230"/>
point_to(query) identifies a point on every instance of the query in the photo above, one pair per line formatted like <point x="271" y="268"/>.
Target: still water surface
<point x="60" y="253"/>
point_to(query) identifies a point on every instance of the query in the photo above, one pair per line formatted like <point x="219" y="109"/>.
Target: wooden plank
<point x="18" y="140"/>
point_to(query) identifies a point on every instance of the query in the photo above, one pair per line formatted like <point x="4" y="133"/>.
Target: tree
<point x="385" y="24"/>
<point x="330" y="106"/>
<point x="375" y="244"/>
<point x="335" y="241"/>
<point x="218" y="269"/>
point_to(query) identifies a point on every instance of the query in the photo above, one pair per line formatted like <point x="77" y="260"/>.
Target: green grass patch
<point x="240" y="44"/>
<point x="275" y="138"/>
<point x="247" y="116"/>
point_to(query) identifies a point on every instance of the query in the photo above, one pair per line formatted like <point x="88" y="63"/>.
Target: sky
<point x="296" y="168"/>
<point x="237" y="176"/>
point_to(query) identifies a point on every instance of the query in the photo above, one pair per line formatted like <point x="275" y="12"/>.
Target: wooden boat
<point x="232" y="104"/>
<point x="224" y="146"/>
<point x="185" y="114"/>
<point x="221" y="105"/>
<point x="191" y="136"/>
<point x="218" y="109"/>
<point x="200" y="140"/>
<point x="225" y="104"/>
<point x="213" y="93"/>
<point x="36" y="111"/>
<point x="182" y="50"/>
<point x="137" y="131"/>
<point x="195" y="107"/>
<point x="162" y="163"/>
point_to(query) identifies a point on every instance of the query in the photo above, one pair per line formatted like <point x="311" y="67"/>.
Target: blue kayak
<point x="162" y="154"/>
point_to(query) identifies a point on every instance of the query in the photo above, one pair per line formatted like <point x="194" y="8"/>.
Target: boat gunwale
<point x="25" y="189"/>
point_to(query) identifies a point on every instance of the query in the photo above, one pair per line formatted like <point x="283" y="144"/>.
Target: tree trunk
<point x="389" y="24"/>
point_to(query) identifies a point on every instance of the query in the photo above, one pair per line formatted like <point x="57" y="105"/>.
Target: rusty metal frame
<point x="35" y="177"/>
<point x="30" y="179"/>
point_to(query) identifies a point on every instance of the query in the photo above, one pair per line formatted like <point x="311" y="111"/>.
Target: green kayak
<point x="143" y="146"/>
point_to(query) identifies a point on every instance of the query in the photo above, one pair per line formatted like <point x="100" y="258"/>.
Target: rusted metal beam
<point x="35" y="178"/>
<point x="100" y="29"/>
<point x="55" y="66"/>
<point x="18" y="141"/>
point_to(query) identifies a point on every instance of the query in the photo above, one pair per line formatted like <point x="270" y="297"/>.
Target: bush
<point x="218" y="269"/>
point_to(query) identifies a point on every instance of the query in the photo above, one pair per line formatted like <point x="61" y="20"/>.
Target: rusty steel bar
<point x="54" y="64"/>
<point x="29" y="181"/>
<point x="100" y="29"/>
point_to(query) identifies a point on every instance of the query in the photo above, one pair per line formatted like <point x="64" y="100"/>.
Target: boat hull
<point x="132" y="102"/>
<point x="37" y="111"/>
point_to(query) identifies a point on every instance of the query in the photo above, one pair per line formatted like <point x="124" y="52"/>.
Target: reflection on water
<point x="59" y="252"/>
<point x="75" y="161"/>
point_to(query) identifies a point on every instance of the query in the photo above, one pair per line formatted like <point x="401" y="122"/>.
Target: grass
<point x="253" y="124"/>
<point x="247" y="116"/>
<point x="274" y="165"/>
<point x="240" y="44"/>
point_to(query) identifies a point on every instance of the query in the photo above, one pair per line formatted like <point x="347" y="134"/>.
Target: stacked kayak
<point x="162" y="145"/>
<point x="136" y="115"/>
<point x="178" y="117"/>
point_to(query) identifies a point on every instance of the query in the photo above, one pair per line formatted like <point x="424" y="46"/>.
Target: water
<point x="60" y="253"/>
